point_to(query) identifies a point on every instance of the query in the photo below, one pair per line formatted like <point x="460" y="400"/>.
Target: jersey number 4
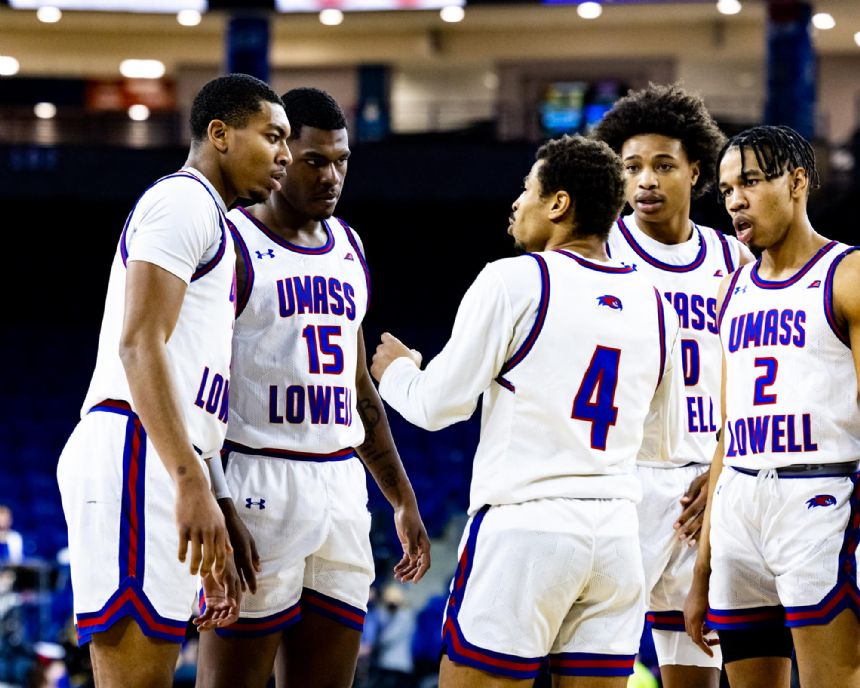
<point x="595" y="400"/>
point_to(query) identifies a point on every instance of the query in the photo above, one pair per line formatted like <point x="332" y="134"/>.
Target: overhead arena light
<point x="45" y="110"/>
<point x="452" y="14"/>
<point x="189" y="17"/>
<point x="589" y="10"/>
<point x="141" y="69"/>
<point x="9" y="65"/>
<point x="138" y="112"/>
<point x="49" y="14"/>
<point x="331" y="17"/>
<point x="728" y="6"/>
<point x="823" y="21"/>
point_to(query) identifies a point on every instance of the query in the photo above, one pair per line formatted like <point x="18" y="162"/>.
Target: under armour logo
<point x="718" y="273"/>
<point x="815" y="284"/>
<point x="269" y="253"/>
<point x="632" y="266"/>
<point x="260" y="503"/>
<point x="348" y="256"/>
<point x="740" y="290"/>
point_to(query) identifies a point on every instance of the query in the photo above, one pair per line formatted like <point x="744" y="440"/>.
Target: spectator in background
<point x="394" y="642"/>
<point x="427" y="639"/>
<point x="11" y="544"/>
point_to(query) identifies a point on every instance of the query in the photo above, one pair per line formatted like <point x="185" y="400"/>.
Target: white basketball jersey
<point x="179" y="224"/>
<point x="295" y="348"/>
<point x="689" y="276"/>
<point x="573" y="352"/>
<point x="791" y="384"/>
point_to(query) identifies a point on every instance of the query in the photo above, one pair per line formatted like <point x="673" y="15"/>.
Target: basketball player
<point x="132" y="475"/>
<point x="302" y="398"/>
<point x="778" y="548"/>
<point x="569" y="351"/>
<point x="668" y="143"/>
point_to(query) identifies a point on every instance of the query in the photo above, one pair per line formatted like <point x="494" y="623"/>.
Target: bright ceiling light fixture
<point x="857" y="39"/>
<point x="141" y="69"/>
<point x="189" y="17"/>
<point x="589" y="10"/>
<point x="823" y="21"/>
<point x="452" y="14"/>
<point x="728" y="6"/>
<point x="138" y="112"/>
<point x="9" y="65"/>
<point x="45" y="110"/>
<point x="49" y="15"/>
<point x="331" y="17"/>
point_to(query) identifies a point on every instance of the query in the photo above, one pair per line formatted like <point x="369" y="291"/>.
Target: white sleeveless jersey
<point x="791" y="385"/>
<point x="689" y="276"/>
<point x="568" y="354"/>
<point x="295" y="348"/>
<point x="179" y="224"/>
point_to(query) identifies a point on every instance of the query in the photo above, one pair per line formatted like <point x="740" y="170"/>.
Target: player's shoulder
<point x="179" y="191"/>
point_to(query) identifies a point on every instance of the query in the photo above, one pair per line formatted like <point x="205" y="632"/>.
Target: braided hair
<point x="777" y="149"/>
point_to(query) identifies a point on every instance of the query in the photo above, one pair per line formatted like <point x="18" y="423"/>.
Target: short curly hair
<point x="311" y="107"/>
<point x="590" y="172"/>
<point x="669" y="111"/>
<point x="232" y="99"/>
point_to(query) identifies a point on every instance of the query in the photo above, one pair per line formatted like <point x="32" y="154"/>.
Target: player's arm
<point x="846" y="303"/>
<point x="696" y="606"/>
<point x="380" y="457"/>
<point x="447" y="390"/>
<point x="153" y="299"/>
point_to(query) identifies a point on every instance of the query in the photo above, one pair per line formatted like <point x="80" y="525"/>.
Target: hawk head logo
<point x="610" y="301"/>
<point x="820" y="500"/>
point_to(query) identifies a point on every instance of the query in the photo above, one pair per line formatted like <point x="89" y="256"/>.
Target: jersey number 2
<point x="595" y="400"/>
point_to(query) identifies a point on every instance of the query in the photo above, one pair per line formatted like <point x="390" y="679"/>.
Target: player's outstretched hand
<point x="200" y="523"/>
<point x="695" y="613"/>
<point x="390" y="347"/>
<point x="416" y="545"/>
<point x="689" y="523"/>
<point x="222" y="603"/>
<point x="245" y="555"/>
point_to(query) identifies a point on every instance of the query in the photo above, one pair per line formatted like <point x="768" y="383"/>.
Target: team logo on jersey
<point x="814" y="284"/>
<point x="719" y="273"/>
<point x="259" y="503"/>
<point x="260" y="254"/>
<point x="611" y="301"/>
<point x="740" y="290"/>
<point x="348" y="256"/>
<point x="820" y="500"/>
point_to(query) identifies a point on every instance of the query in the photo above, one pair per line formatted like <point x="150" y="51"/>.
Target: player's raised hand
<point x="222" y="600"/>
<point x="415" y="543"/>
<point x="689" y="523"/>
<point x="201" y="524"/>
<point x="245" y="556"/>
<point x="390" y="347"/>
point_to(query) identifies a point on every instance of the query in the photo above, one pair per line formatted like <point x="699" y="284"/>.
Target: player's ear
<point x="218" y="134"/>
<point x="695" y="171"/>
<point x="561" y="205"/>
<point x="799" y="183"/>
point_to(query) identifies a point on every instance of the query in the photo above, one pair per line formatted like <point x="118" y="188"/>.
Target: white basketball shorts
<point x="308" y="514"/>
<point x="550" y="577"/>
<point x="668" y="563"/>
<point x="783" y="550"/>
<point x="119" y="503"/>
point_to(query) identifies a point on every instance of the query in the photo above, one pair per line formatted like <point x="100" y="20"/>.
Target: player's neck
<point x="209" y="168"/>
<point x="280" y="217"/>
<point x="785" y="257"/>
<point x="676" y="230"/>
<point x="592" y="247"/>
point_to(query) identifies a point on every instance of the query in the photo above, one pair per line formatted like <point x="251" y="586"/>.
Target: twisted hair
<point x="672" y="112"/>
<point x="777" y="149"/>
<point x="590" y="172"/>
